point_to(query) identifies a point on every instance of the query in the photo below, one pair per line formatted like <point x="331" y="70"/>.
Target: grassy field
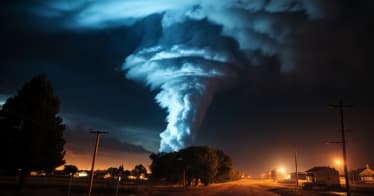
<point x="56" y="186"/>
<point x="46" y="185"/>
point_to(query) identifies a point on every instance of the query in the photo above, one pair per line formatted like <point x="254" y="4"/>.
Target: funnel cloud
<point x="187" y="75"/>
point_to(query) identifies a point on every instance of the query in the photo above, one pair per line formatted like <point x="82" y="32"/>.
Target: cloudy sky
<point x="254" y="77"/>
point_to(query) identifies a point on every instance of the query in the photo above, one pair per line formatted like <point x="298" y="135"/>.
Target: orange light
<point x="282" y="170"/>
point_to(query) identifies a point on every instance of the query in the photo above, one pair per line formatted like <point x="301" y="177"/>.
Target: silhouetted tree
<point x="167" y="165"/>
<point x="224" y="168"/>
<point x="139" y="170"/>
<point x="115" y="172"/>
<point x="201" y="163"/>
<point x="120" y="170"/>
<point x="32" y="133"/>
<point x="126" y="174"/>
<point x="70" y="169"/>
<point x="194" y="163"/>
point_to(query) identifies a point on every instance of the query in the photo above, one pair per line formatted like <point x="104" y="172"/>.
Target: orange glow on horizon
<point x="104" y="161"/>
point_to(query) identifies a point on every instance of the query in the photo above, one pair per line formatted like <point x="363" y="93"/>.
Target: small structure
<point x="81" y="174"/>
<point x="301" y="177"/>
<point x="321" y="177"/>
<point x="363" y="175"/>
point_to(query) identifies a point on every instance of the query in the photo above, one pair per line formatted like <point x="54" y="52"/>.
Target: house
<point x="322" y="177"/>
<point x="301" y="177"/>
<point x="363" y="175"/>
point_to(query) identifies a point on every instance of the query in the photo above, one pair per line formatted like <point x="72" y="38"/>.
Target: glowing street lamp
<point x="339" y="165"/>
<point x="282" y="170"/>
<point x="282" y="173"/>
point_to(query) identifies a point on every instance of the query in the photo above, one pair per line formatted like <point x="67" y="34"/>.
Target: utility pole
<point x="297" y="176"/>
<point x="98" y="134"/>
<point x="70" y="182"/>
<point x="120" y="169"/>
<point x="341" y="107"/>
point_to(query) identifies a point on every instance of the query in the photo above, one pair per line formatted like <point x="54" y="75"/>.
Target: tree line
<point x="115" y="172"/>
<point x="191" y="165"/>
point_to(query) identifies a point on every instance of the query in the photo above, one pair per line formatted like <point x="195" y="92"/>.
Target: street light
<point x="339" y="165"/>
<point x="282" y="170"/>
<point x="282" y="173"/>
<point x="338" y="162"/>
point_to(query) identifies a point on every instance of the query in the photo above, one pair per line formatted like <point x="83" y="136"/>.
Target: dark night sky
<point x="258" y="121"/>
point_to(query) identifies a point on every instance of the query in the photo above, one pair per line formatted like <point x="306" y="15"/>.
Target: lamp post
<point x="297" y="176"/>
<point x="338" y="164"/>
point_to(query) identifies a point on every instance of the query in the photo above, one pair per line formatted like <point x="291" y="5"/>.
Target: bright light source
<point x="282" y="170"/>
<point x="131" y="177"/>
<point x="81" y="174"/>
<point x="338" y="162"/>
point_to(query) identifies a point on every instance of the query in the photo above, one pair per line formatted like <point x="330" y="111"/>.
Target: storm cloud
<point x="190" y="50"/>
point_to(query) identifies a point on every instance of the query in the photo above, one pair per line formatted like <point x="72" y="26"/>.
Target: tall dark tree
<point x="32" y="133"/>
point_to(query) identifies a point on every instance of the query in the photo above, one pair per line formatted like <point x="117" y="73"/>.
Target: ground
<point x="57" y="186"/>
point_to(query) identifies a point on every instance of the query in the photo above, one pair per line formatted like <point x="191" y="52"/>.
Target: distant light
<point x="142" y="177"/>
<point x="107" y="176"/>
<point x="338" y="162"/>
<point x="131" y="177"/>
<point x="282" y="170"/>
<point x="38" y="173"/>
<point x="81" y="174"/>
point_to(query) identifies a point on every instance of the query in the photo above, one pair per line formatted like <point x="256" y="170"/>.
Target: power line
<point x="341" y="107"/>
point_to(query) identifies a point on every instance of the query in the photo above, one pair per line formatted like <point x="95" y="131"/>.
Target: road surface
<point x="243" y="188"/>
<point x="237" y="188"/>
